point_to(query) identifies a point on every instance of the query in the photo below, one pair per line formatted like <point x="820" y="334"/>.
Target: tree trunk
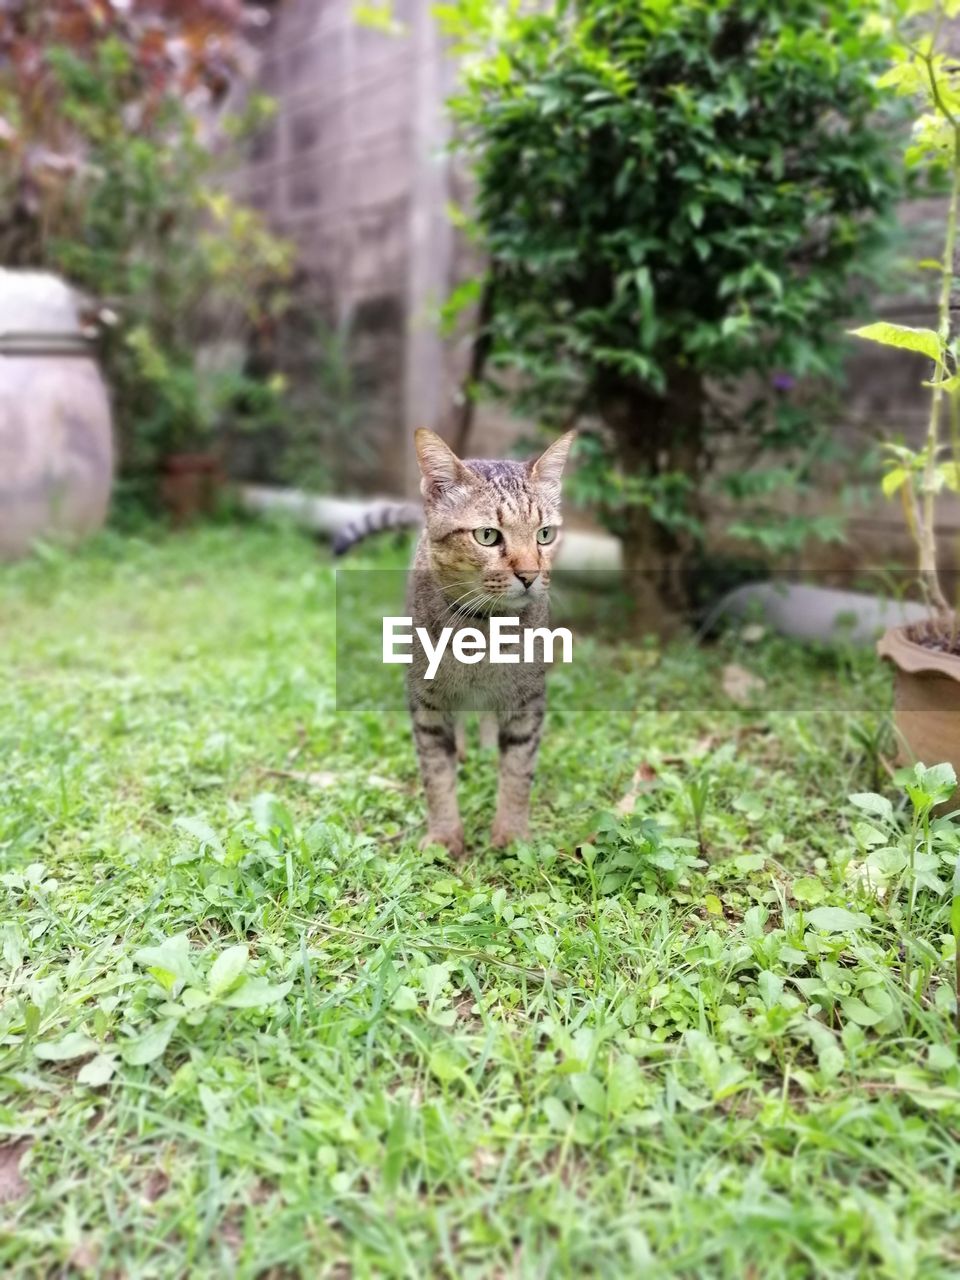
<point x="464" y="410"/>
<point x="656" y="435"/>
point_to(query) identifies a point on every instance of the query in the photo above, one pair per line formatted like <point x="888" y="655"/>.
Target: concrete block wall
<point x="353" y="170"/>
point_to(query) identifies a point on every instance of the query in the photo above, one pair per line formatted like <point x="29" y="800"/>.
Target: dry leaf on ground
<point x="322" y="779"/>
<point x="12" y="1185"/>
<point x="739" y="684"/>
<point x="84" y="1256"/>
<point x="644" y="779"/>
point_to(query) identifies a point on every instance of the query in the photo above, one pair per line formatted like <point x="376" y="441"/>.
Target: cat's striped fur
<point x="457" y="581"/>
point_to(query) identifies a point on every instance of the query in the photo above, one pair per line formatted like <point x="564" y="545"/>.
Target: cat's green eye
<point x="546" y="534"/>
<point x="487" y="537"/>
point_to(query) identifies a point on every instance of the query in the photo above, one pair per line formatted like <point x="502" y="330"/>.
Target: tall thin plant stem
<point x="928" y="543"/>
<point x="926" y="533"/>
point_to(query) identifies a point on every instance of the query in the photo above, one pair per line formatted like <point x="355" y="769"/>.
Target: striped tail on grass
<point x="388" y="515"/>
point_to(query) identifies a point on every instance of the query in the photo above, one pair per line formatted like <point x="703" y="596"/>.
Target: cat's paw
<point x="506" y="830"/>
<point x="450" y="838"/>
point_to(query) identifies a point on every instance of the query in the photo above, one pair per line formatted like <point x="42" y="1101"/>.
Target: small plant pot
<point x="926" y="701"/>
<point x="189" y="485"/>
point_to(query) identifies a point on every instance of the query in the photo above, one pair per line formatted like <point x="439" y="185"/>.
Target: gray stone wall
<point x="337" y="171"/>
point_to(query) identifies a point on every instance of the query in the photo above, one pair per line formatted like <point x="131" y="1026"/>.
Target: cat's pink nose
<point x="527" y="576"/>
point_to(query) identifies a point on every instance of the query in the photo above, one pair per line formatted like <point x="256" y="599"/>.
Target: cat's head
<point x="493" y="526"/>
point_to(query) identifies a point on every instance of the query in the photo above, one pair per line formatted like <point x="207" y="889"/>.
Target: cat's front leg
<point x="489" y="732"/>
<point x="434" y="736"/>
<point x="519" y="741"/>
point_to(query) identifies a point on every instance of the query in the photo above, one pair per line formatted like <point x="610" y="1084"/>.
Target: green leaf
<point x="558" y="1117"/>
<point x="893" y="481"/>
<point x="546" y="946"/>
<point x="924" y="341"/>
<point x="73" y="1045"/>
<point x="404" y="1000"/>
<point x="98" y="1070"/>
<point x="868" y="835"/>
<point x="254" y="993"/>
<point x="377" y="17"/>
<point x="837" y="919"/>
<point x="443" y="1018"/>
<point x="397" y="1146"/>
<point x="444" y="1066"/>
<point x="31" y="1020"/>
<point x="270" y="814"/>
<point x="860" y="1013"/>
<point x="590" y="1092"/>
<point x="874" y="804"/>
<point x="949" y="385"/>
<point x="626" y="1085"/>
<point x="150" y="1045"/>
<point x="808" y="889"/>
<point x="927" y="787"/>
<point x="771" y="988"/>
<point x="829" y="1055"/>
<point x="212" y="1103"/>
<point x="201" y="832"/>
<point x="169" y="962"/>
<point x="227" y="968"/>
<point x="435" y="978"/>
<point x="880" y="1000"/>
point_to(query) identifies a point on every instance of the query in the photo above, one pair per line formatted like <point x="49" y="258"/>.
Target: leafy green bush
<point x="678" y="200"/>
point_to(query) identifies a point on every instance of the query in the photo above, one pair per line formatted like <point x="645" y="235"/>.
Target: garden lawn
<point x="247" y="1028"/>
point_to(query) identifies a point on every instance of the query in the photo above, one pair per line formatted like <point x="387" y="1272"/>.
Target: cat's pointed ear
<point x="548" y="468"/>
<point x="439" y="465"/>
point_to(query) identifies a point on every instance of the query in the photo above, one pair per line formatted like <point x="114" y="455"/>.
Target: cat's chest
<point x="494" y="677"/>
<point x="483" y="686"/>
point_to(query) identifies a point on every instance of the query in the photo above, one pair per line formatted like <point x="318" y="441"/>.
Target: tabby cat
<point x="491" y="530"/>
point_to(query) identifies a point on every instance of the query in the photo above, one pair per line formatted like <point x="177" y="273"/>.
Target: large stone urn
<point x="56" y="443"/>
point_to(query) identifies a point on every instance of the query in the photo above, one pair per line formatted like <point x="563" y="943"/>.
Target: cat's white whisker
<point x="466" y="608"/>
<point x="466" y="595"/>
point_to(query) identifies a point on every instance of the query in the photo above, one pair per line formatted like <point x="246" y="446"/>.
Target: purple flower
<point x="783" y="381"/>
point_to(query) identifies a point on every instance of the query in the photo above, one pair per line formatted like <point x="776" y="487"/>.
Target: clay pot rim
<point x="191" y="461"/>
<point x="915" y="658"/>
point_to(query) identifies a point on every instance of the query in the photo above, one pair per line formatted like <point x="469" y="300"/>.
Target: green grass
<point x="661" y="1054"/>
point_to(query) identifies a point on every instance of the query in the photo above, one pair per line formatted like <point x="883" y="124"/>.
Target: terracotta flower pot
<point x="189" y="485"/>
<point x="926" y="699"/>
